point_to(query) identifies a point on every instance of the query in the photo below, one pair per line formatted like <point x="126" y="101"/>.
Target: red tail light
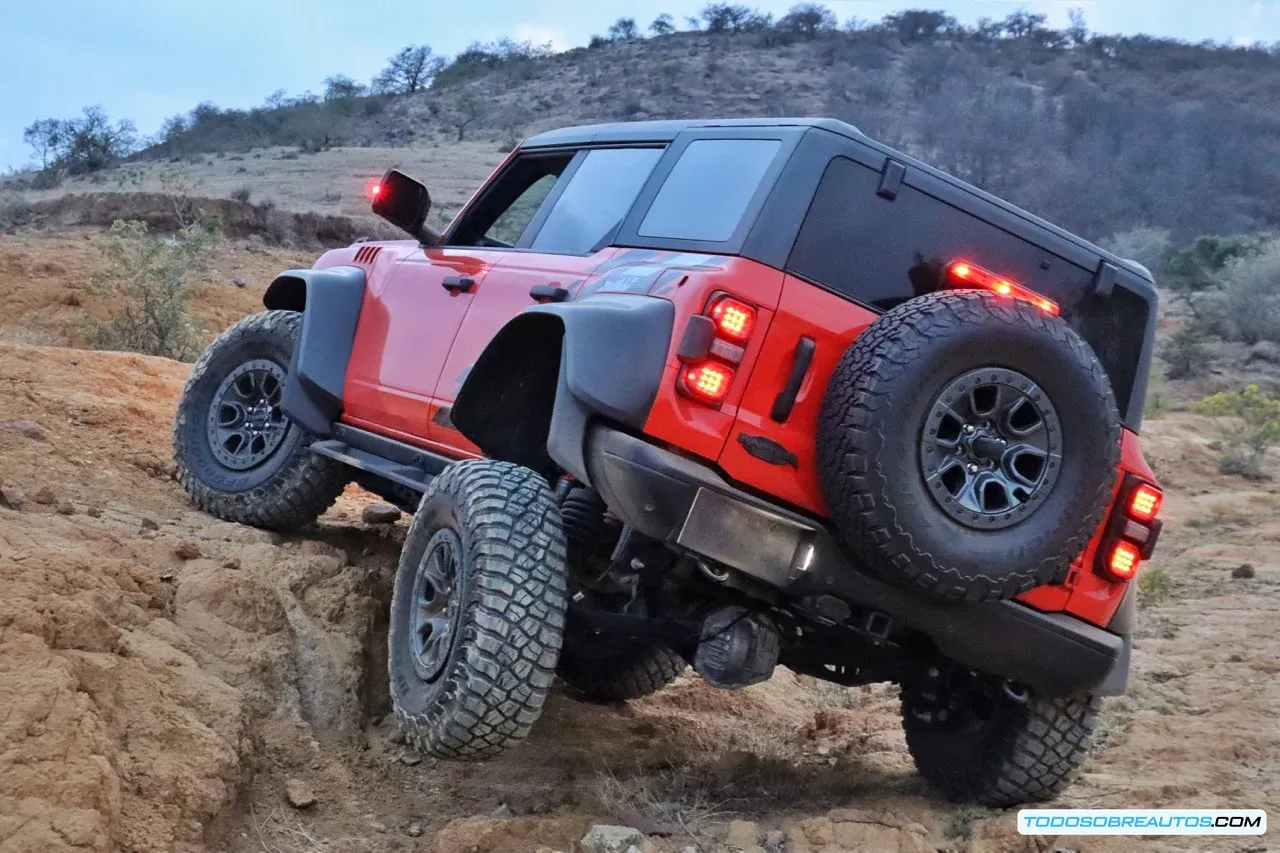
<point x="709" y="381"/>
<point x="375" y="189"/>
<point x="1122" y="562"/>
<point x="973" y="275"/>
<point x="1144" y="503"/>
<point x="734" y="320"/>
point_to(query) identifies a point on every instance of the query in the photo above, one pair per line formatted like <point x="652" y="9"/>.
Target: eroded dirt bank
<point x="164" y="674"/>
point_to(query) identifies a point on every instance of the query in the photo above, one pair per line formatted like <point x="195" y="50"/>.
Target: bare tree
<point x="624" y="29"/>
<point x="47" y="137"/>
<point x="468" y="109"/>
<point x="663" y="25"/>
<point x="918" y="24"/>
<point x="340" y="87"/>
<point x="1078" y="31"/>
<point x="808" y="19"/>
<point x="411" y="70"/>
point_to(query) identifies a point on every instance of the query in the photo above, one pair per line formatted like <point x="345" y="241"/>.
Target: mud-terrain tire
<point x="287" y="488"/>
<point x="603" y="669"/>
<point x="478" y="611"/>
<point x="635" y="670"/>
<point x="1023" y="753"/>
<point x="1023" y="505"/>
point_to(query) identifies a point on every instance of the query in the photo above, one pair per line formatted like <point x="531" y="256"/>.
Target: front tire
<point x="237" y="455"/>
<point x="996" y="747"/>
<point x="478" y="612"/>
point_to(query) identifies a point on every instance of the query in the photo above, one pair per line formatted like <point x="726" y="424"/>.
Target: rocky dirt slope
<point x="165" y="675"/>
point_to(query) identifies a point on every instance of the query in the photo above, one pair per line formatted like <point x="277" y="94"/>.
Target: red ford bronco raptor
<point x="728" y="394"/>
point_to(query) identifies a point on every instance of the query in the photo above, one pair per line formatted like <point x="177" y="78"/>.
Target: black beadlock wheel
<point x="238" y="456"/>
<point x="997" y="744"/>
<point x="967" y="446"/>
<point x="478" y="611"/>
<point x="599" y="668"/>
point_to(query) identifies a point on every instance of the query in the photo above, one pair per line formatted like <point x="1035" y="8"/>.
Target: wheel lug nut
<point x="968" y="428"/>
<point x="973" y="469"/>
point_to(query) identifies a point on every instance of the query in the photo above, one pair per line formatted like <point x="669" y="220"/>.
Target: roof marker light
<point x="975" y="276"/>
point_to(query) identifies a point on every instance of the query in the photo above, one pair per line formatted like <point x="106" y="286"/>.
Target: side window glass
<point x="708" y="190"/>
<point x="511" y="224"/>
<point x="600" y="193"/>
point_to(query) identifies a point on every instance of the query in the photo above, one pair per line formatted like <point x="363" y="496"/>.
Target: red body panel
<point x="416" y="341"/>
<point x="503" y="294"/>
<point x="407" y="326"/>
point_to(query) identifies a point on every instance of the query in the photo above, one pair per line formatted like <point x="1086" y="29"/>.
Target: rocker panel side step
<point x="404" y="464"/>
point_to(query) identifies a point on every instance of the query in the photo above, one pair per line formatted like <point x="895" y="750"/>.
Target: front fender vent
<point x="367" y="254"/>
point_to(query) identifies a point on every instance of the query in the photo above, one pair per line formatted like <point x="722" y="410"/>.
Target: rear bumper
<point x="687" y="504"/>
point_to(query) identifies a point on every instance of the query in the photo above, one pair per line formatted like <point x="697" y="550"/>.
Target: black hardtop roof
<point x="666" y="131"/>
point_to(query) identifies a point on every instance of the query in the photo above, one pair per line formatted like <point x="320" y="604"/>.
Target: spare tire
<point x="967" y="446"/>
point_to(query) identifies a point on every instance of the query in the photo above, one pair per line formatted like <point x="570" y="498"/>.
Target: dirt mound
<point x="42" y="282"/>
<point x="157" y="210"/>
<point x="166" y="674"/>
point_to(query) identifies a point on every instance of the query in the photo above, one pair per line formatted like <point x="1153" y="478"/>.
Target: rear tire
<point x="617" y="675"/>
<point x="597" y="668"/>
<point x="967" y="446"/>
<point x="1019" y="753"/>
<point x="237" y="455"/>
<point x="478" y="612"/>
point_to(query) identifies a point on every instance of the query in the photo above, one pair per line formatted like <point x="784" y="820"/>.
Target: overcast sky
<point x="148" y="59"/>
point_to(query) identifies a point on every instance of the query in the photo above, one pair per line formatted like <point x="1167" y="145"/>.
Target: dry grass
<point x="280" y="832"/>
<point x="335" y="182"/>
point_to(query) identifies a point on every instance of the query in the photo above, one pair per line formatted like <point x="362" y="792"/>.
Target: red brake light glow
<point x="708" y="381"/>
<point x="975" y="276"/>
<point x="1123" y="561"/>
<point x="1144" y="503"/>
<point x="375" y="189"/>
<point x="734" y="320"/>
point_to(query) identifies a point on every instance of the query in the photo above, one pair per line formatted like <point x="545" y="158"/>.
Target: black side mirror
<point x="404" y="202"/>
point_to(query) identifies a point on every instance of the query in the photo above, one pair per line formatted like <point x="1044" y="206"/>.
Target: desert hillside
<point x="172" y="683"/>
<point x="168" y="675"/>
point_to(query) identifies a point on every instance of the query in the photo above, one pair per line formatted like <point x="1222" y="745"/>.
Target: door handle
<point x="786" y="399"/>
<point x="458" y="283"/>
<point x="549" y="292"/>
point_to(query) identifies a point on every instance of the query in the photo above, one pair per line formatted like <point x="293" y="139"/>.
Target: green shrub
<point x="1184" y="353"/>
<point x="1249" y="422"/>
<point x="1155" y="585"/>
<point x="150" y="282"/>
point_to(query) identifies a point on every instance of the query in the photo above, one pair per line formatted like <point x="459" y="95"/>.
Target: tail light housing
<point x="967" y="274"/>
<point x="1132" y="532"/>
<point x="735" y="320"/>
<point x="713" y="345"/>
<point x="708" y="382"/>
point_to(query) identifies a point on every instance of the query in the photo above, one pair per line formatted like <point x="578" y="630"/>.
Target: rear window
<point x="882" y="253"/>
<point x="708" y="190"/>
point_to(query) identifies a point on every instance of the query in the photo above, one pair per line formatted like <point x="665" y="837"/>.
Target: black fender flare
<point x="330" y="301"/>
<point x="554" y="368"/>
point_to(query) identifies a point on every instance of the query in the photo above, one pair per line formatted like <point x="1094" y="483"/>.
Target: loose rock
<point x="26" y="429"/>
<point x="66" y="509"/>
<point x="411" y="759"/>
<point x="231" y="563"/>
<point x="46" y="496"/>
<point x="149" y="524"/>
<point x="414" y="830"/>
<point x="187" y="549"/>
<point x="299" y="794"/>
<point x="93" y="512"/>
<point x="603" y="838"/>
<point x="380" y="514"/>
<point x="239" y="281"/>
<point x="1244" y="572"/>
